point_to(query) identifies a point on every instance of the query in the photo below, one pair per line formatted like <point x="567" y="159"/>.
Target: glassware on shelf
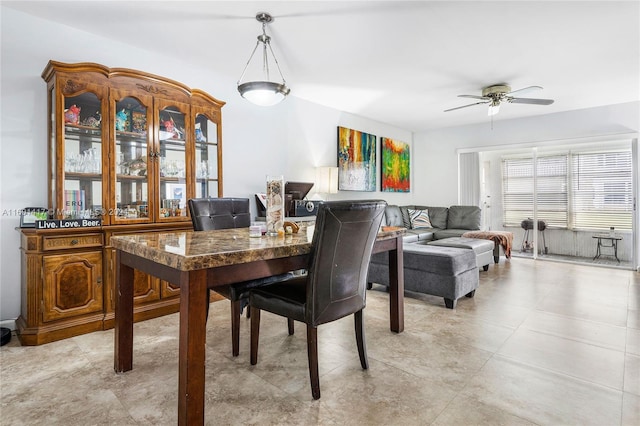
<point x="180" y="167"/>
<point x="87" y="162"/>
<point x="91" y="161"/>
<point x="71" y="162"/>
<point x="121" y="166"/>
<point x="203" y="170"/>
<point x="172" y="168"/>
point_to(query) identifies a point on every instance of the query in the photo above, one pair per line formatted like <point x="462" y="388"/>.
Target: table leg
<point x="123" y="359"/>
<point x="396" y="288"/>
<point x="193" y="296"/>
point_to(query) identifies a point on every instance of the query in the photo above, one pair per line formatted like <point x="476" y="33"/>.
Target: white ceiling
<point x="398" y="62"/>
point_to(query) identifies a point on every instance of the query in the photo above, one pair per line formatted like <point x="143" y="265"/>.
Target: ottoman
<point x="448" y="272"/>
<point x="482" y="248"/>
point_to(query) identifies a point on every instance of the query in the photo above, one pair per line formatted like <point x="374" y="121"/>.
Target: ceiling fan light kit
<point x="498" y="94"/>
<point x="263" y="92"/>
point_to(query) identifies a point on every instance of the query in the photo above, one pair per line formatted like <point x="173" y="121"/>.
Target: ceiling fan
<point x="501" y="93"/>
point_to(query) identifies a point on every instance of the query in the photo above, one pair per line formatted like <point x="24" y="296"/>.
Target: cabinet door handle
<point x="99" y="280"/>
<point x="74" y="242"/>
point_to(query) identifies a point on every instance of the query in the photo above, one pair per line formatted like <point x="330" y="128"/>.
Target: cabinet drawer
<point x="75" y="241"/>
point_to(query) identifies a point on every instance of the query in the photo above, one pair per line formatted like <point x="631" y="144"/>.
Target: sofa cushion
<point x="419" y="219"/>
<point x="418" y="235"/>
<point x="440" y="234"/>
<point x="477" y="245"/>
<point x="406" y="220"/>
<point x="393" y="216"/>
<point x="410" y="237"/>
<point x="464" y="217"/>
<point x="438" y="216"/>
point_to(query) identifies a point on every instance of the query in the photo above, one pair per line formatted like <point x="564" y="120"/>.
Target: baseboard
<point x="10" y="324"/>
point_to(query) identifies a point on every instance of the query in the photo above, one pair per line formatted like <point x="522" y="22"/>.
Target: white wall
<point x="289" y="139"/>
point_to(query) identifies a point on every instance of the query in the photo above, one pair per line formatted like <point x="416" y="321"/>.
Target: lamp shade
<point x="327" y="180"/>
<point x="263" y="93"/>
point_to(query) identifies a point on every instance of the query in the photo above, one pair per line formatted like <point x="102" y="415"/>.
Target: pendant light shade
<point x="263" y="92"/>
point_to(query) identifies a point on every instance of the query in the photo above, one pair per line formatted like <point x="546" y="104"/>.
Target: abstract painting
<point x="395" y="166"/>
<point x="356" y="160"/>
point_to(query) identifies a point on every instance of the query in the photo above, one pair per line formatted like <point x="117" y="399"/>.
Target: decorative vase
<point x="275" y="205"/>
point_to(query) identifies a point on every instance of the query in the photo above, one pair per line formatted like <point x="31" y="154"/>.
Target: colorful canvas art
<point x="356" y="160"/>
<point x="395" y="166"/>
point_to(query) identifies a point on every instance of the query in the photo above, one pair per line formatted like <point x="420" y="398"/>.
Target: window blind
<point x="575" y="190"/>
<point x="518" y="189"/>
<point x="602" y="190"/>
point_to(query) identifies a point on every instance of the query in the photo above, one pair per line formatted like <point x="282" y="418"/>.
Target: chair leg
<point x="255" y="334"/>
<point x="360" y="340"/>
<point x="290" y="326"/>
<point x="312" y="352"/>
<point x="235" y="327"/>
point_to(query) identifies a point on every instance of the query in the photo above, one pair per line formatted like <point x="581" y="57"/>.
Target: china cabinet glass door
<point x="171" y="158"/>
<point x="82" y="151"/>
<point x="131" y="184"/>
<point x="206" y="161"/>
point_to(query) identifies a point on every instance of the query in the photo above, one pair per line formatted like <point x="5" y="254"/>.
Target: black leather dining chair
<point x="336" y="280"/>
<point x="224" y="213"/>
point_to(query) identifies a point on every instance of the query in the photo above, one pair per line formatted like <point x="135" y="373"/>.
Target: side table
<point x="613" y="243"/>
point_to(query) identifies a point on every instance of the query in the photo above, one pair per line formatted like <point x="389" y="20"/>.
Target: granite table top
<point x="191" y="250"/>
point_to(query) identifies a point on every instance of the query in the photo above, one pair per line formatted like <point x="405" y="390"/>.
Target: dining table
<point x="198" y="261"/>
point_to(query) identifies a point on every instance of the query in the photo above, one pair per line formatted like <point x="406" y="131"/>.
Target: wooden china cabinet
<point x="126" y="148"/>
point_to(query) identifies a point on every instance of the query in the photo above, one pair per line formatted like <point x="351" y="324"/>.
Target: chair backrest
<point x="219" y="213"/>
<point x="343" y="239"/>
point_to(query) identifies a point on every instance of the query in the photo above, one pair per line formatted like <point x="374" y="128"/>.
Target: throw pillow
<point x="406" y="221"/>
<point x="419" y="219"/>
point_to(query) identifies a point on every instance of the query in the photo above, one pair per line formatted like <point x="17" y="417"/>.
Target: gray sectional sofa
<point x="437" y="259"/>
<point x="446" y="221"/>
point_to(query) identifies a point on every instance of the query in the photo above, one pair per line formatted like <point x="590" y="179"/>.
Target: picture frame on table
<point x="30" y="215"/>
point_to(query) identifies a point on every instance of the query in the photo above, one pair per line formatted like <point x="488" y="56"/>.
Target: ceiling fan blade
<point x="465" y="106"/>
<point x="531" y="101"/>
<point x="484" y="98"/>
<point x="525" y="89"/>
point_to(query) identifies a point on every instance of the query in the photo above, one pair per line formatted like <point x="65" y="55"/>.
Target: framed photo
<point x="177" y="191"/>
<point x="395" y="166"/>
<point x="356" y="160"/>
<point x="31" y="214"/>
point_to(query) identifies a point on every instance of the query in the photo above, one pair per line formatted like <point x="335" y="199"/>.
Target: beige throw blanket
<point x="504" y="238"/>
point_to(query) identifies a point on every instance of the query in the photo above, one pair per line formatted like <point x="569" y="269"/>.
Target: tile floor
<point x="542" y="343"/>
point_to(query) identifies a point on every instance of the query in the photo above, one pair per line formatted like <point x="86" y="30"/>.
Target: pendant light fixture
<point x="263" y="92"/>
